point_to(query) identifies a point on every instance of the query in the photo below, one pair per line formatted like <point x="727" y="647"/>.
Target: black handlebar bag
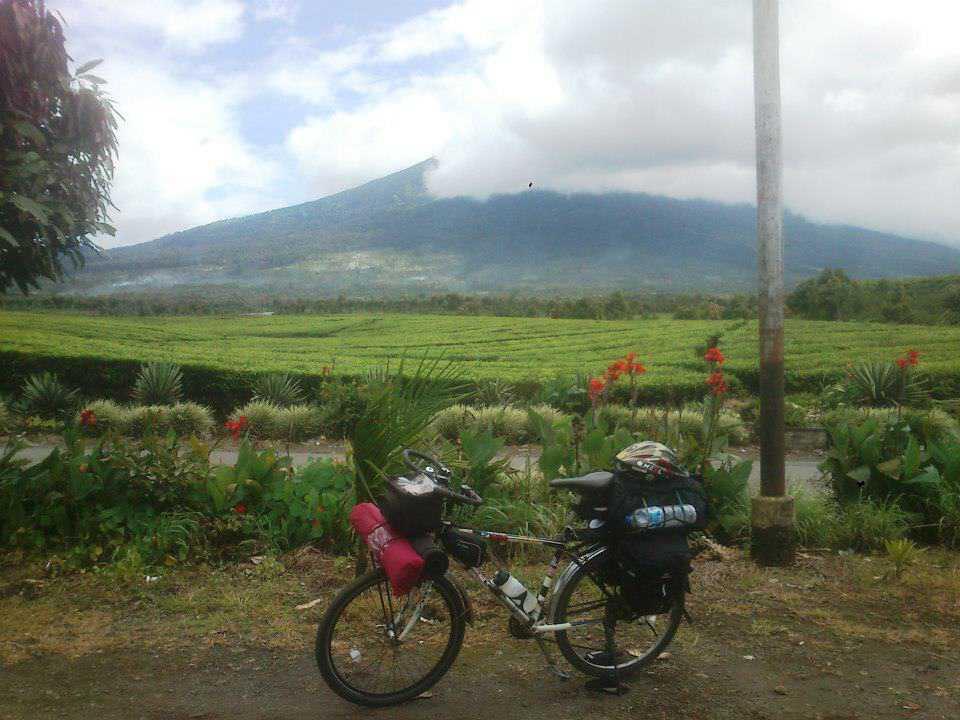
<point x="411" y="505"/>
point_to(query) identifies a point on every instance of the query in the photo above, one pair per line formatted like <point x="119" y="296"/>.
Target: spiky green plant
<point x="46" y="397"/>
<point x="397" y="410"/>
<point x="279" y="389"/>
<point x="881" y="384"/>
<point x="158" y="383"/>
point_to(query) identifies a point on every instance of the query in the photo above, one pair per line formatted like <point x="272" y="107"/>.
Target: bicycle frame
<point x="536" y="620"/>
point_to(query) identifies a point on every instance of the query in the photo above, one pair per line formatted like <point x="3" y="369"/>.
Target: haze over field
<point x="234" y="107"/>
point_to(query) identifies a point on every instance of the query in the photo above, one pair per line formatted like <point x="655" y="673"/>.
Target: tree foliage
<point x="57" y="149"/>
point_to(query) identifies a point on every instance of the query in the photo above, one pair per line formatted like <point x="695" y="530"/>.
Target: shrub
<point x="279" y="389"/>
<point x="727" y="488"/>
<point x="929" y="425"/>
<point x="655" y="423"/>
<point x="451" y="422"/>
<point x="263" y="418"/>
<point x="144" y="420"/>
<point x="110" y="418"/>
<point x="6" y="421"/>
<point x="815" y="517"/>
<point x="869" y="524"/>
<point x="188" y="418"/>
<point x="98" y="500"/>
<point x="510" y="423"/>
<point x="298" y="422"/>
<point x="342" y="405"/>
<point x="44" y="396"/>
<point x="507" y="422"/>
<point x="879" y="384"/>
<point x="158" y="384"/>
<point x="310" y="506"/>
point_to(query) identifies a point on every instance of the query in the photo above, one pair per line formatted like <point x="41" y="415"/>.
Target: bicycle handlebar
<point x="472" y="499"/>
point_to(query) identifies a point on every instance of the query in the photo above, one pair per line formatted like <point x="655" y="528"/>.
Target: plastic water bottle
<point x="516" y="592"/>
<point x="654" y="516"/>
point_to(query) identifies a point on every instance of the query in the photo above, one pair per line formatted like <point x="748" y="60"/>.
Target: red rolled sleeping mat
<point x="402" y="564"/>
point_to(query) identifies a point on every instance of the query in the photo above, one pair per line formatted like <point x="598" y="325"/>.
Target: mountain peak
<point x="391" y="235"/>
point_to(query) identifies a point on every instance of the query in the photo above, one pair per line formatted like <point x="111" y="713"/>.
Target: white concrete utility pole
<point x="772" y="512"/>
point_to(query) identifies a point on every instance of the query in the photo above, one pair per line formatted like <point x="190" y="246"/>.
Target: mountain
<point x="391" y="235"/>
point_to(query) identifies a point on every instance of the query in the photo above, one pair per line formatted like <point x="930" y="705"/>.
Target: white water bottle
<point x="656" y="517"/>
<point x="516" y="592"/>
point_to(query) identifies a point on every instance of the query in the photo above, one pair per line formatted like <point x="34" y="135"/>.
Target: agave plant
<point x="46" y="397"/>
<point x="882" y="384"/>
<point x="282" y="390"/>
<point x="158" y="383"/>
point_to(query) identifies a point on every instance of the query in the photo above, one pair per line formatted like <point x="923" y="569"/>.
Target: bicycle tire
<point x="325" y="634"/>
<point x="587" y="571"/>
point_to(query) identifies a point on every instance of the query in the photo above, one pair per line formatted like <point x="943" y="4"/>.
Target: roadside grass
<point x="824" y="600"/>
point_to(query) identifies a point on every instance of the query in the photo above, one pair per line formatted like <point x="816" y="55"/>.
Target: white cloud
<point x="187" y="25"/>
<point x="276" y="10"/>
<point x="182" y="158"/>
<point x="606" y="94"/>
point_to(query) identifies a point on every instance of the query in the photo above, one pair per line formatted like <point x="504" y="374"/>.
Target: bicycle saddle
<point x="591" y="481"/>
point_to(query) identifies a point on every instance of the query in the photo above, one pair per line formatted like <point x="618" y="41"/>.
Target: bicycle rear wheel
<point x="639" y="639"/>
<point x="375" y="650"/>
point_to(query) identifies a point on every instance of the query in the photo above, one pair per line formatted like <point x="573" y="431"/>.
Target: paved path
<point x="798" y="470"/>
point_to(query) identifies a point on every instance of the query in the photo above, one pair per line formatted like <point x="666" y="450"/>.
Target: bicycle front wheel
<point x="376" y="650"/>
<point x="639" y="639"/>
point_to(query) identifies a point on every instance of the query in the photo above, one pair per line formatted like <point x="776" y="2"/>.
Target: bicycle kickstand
<point x="551" y="663"/>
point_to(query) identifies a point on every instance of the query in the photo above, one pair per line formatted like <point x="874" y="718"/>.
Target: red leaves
<point x="88" y="418"/>
<point x="236" y="427"/>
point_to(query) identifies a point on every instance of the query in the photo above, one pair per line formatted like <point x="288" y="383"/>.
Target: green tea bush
<point x="342" y="404"/>
<point x="158" y="383"/>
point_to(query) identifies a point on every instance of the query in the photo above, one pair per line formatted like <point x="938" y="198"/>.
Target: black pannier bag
<point x="411" y="506"/>
<point x="470" y="551"/>
<point x="652" y="564"/>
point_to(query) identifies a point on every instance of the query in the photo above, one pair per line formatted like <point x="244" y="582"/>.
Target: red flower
<point x="714" y="356"/>
<point x="637" y="369"/>
<point x="595" y="388"/>
<point x="88" y="418"/>
<point x="717" y="383"/>
<point x="240" y="509"/>
<point x="913" y="357"/>
<point x="237" y="426"/>
<point x="902" y="363"/>
<point x="615" y="370"/>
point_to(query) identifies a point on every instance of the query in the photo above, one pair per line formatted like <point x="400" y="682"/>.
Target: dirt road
<point x="824" y="640"/>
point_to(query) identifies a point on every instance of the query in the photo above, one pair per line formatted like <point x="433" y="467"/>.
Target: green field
<point x="515" y="349"/>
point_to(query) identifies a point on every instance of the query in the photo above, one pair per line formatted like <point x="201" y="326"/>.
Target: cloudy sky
<point x="236" y="106"/>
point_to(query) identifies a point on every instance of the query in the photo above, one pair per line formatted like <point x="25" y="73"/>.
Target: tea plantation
<point x="101" y="354"/>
